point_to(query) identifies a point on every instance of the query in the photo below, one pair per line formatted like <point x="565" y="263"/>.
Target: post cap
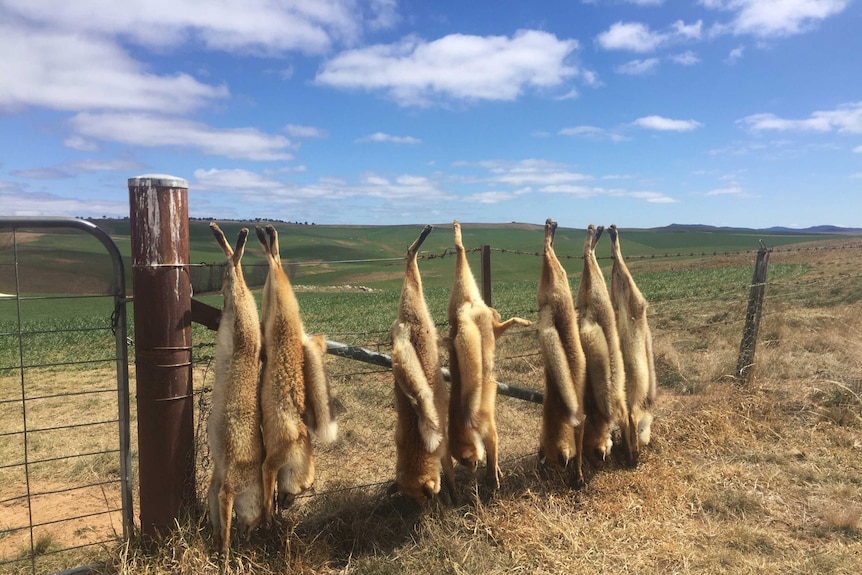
<point x="160" y="180"/>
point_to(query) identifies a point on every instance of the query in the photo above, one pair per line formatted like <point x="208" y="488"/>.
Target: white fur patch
<point x="328" y="433"/>
<point x="645" y="429"/>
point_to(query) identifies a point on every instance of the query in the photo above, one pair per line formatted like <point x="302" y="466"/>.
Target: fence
<point x="701" y="334"/>
<point x="65" y="462"/>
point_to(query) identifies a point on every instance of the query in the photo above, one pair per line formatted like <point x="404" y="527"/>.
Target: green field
<point x="358" y="255"/>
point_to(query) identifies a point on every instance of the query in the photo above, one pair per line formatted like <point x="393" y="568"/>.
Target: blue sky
<point x="641" y="113"/>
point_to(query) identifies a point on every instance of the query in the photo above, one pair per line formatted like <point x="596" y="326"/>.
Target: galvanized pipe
<point x="158" y="209"/>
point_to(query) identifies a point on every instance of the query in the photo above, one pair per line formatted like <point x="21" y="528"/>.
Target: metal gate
<point x="65" y="461"/>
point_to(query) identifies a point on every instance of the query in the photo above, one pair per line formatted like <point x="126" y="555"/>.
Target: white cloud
<point x="158" y="131"/>
<point x="584" y="192"/>
<point x="80" y="144"/>
<point x="387" y="138"/>
<point x="638" y="37"/>
<point x="735" y="55"/>
<point x="258" y="189"/>
<point x="774" y="18"/>
<point x="687" y="58"/>
<point x="298" y="131"/>
<point x="592" y="133"/>
<point x="71" y="168"/>
<point x="570" y="95"/>
<point x="857" y="150"/>
<point x="666" y="124"/>
<point x="857" y="175"/>
<point x="70" y="71"/>
<point x="530" y="172"/>
<point x="630" y="36"/>
<point x="462" y="67"/>
<point x="638" y="67"/>
<point x="847" y="118"/>
<point x="17" y="200"/>
<point x="729" y="191"/>
<point x="261" y="26"/>
<point x="497" y="197"/>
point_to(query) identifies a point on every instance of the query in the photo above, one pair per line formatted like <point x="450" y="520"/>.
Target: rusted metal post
<point x="158" y="207"/>
<point x="486" y="275"/>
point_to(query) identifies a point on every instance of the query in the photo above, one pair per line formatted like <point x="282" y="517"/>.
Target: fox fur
<point x="420" y="392"/>
<point x="294" y="389"/>
<point x="605" y="397"/>
<point x="562" y="433"/>
<point x="630" y="307"/>
<point x="233" y="429"/>
<point x="473" y="330"/>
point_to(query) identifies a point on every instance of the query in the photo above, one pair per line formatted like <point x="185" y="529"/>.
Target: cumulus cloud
<point x="774" y="19"/>
<point x="156" y="131"/>
<point x="415" y="72"/>
<point x="666" y="124"/>
<point x="638" y="67"/>
<point x="638" y="37"/>
<point x="70" y="71"/>
<point x="388" y="138"/>
<point x="261" y="26"/>
<point x="846" y="118"/>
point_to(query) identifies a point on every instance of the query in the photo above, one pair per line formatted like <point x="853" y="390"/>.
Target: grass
<point x="759" y="479"/>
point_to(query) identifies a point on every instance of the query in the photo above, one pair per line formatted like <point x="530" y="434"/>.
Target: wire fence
<point x="691" y="329"/>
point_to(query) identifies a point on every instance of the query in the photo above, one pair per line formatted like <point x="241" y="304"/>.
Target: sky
<point x="641" y="113"/>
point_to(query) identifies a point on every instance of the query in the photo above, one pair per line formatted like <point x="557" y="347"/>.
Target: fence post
<point x="486" y="275"/>
<point x="745" y="363"/>
<point x="161" y="286"/>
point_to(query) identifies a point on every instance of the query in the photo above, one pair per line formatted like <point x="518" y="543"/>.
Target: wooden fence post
<point x="745" y="363"/>
<point x="158" y="207"/>
<point x="486" y="275"/>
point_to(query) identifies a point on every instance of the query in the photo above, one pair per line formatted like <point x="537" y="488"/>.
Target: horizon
<point x="378" y="112"/>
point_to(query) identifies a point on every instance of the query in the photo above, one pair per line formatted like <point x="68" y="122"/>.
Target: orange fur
<point x="630" y="307"/>
<point x="233" y="429"/>
<point x="420" y="392"/>
<point x="474" y="328"/>
<point x="292" y="364"/>
<point x="605" y="399"/>
<point x="565" y="367"/>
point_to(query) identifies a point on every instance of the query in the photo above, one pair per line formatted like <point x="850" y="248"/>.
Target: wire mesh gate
<point x="65" y="458"/>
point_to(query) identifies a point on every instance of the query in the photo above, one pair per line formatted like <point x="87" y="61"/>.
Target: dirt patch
<point x="62" y="519"/>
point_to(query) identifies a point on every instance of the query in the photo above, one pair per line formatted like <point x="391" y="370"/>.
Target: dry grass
<point x="759" y="479"/>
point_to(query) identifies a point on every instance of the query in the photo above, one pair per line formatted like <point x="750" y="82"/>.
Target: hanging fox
<point x="630" y="308"/>
<point x="421" y="397"/>
<point x="562" y="433"/>
<point x="233" y="429"/>
<point x="294" y="390"/>
<point x="473" y="331"/>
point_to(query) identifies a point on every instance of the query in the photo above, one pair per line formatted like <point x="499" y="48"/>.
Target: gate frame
<point x="119" y="326"/>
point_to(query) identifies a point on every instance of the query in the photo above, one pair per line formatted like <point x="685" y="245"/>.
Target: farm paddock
<point x="759" y="479"/>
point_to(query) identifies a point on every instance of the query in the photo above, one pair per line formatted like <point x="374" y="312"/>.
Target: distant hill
<point x="772" y="230"/>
